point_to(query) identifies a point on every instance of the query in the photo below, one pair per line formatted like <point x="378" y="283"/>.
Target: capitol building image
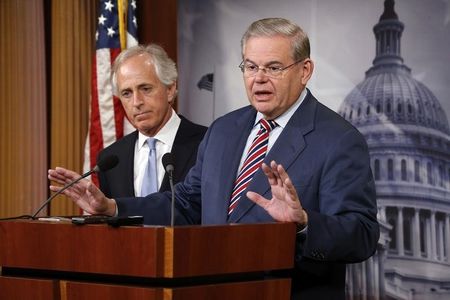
<point x="408" y="135"/>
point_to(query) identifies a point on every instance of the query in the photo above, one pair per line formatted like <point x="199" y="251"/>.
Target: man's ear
<point x="172" y="92"/>
<point x="308" y="68"/>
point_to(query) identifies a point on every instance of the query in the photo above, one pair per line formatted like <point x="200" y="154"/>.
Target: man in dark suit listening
<point x="144" y="78"/>
<point x="316" y="169"/>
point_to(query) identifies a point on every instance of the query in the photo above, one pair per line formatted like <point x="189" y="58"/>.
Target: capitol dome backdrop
<point x="407" y="132"/>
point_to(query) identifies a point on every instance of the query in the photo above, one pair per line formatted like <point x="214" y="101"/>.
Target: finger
<point x="54" y="188"/>
<point x="58" y="176"/>
<point x="289" y="186"/>
<point x="74" y="195"/>
<point x="284" y="176"/>
<point x="68" y="192"/>
<point x="53" y="175"/>
<point x="67" y="174"/>
<point x="95" y="191"/>
<point x="258" y="199"/>
<point x="274" y="166"/>
<point x="78" y="187"/>
<point x="97" y="200"/>
<point x="269" y="174"/>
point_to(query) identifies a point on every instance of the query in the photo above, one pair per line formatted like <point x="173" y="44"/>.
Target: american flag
<point x="116" y="30"/>
<point x="206" y="82"/>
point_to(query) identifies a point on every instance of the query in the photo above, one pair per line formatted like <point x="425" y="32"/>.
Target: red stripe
<point x="258" y="141"/>
<point x="251" y="170"/>
<point x="95" y="130"/>
<point x="238" y="190"/>
<point x="119" y="112"/>
<point x="253" y="157"/>
<point x="119" y="115"/>
<point x="240" y="183"/>
<point x="231" y="208"/>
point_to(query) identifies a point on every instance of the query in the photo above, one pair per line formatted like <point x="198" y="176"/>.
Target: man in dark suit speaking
<point x="144" y="78"/>
<point x="316" y="169"/>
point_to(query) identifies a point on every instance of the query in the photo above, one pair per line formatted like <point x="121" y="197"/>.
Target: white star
<point x="134" y="21"/>
<point x="101" y="20"/>
<point x="96" y="35"/>
<point x="111" y="31"/>
<point x="133" y="4"/>
<point x="109" y="5"/>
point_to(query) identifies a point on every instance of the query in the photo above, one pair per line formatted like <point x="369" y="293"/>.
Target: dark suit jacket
<point x="328" y="162"/>
<point x="118" y="182"/>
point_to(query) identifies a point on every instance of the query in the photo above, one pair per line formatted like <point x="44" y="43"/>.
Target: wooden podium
<point x="57" y="260"/>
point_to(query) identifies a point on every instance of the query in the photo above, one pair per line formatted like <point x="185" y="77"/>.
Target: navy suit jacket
<point x="328" y="162"/>
<point x="118" y="181"/>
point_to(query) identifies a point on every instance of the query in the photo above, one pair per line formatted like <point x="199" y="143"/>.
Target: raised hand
<point x="84" y="193"/>
<point x="285" y="205"/>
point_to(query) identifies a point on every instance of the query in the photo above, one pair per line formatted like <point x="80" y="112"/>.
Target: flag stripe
<point x="104" y="90"/>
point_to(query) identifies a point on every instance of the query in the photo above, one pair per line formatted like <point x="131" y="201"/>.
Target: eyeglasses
<point x="250" y="69"/>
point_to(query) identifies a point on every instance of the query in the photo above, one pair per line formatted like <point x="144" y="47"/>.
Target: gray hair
<point x="279" y="26"/>
<point x="165" y="67"/>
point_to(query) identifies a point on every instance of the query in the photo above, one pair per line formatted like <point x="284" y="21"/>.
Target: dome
<point x="391" y="94"/>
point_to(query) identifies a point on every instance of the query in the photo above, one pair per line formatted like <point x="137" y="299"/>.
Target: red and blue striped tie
<point x="253" y="161"/>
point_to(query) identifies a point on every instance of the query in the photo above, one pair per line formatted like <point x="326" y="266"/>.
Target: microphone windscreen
<point x="168" y="162"/>
<point x="107" y="162"/>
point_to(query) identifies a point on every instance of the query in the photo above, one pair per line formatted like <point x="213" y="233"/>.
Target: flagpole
<point x="122" y="26"/>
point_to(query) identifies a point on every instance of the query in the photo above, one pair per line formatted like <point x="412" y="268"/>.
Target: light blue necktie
<point x="150" y="180"/>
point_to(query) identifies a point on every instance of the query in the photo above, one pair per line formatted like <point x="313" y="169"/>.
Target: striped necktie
<point x="253" y="161"/>
<point x="150" y="180"/>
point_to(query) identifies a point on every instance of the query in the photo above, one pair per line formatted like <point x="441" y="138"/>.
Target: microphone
<point x="103" y="165"/>
<point x="169" y="166"/>
<point x="168" y="163"/>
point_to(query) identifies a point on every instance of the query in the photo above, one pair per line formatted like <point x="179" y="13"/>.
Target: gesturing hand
<point x="84" y="193"/>
<point x="285" y="205"/>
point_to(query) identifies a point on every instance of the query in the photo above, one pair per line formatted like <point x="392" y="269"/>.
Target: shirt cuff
<point x="116" y="213"/>
<point x="302" y="231"/>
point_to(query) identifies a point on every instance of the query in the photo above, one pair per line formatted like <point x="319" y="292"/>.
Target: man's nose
<point x="137" y="99"/>
<point x="261" y="75"/>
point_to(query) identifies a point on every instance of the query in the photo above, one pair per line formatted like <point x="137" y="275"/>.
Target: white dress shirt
<point x="165" y="138"/>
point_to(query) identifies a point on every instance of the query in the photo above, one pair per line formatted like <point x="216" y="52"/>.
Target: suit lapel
<point x="232" y="145"/>
<point x="285" y="151"/>
<point x="184" y="148"/>
<point x="127" y="157"/>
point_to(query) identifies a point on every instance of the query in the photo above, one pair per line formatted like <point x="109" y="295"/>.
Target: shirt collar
<point x="166" y="134"/>
<point x="284" y="118"/>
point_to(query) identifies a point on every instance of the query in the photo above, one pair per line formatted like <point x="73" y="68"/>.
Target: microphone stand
<point x="168" y="163"/>
<point x="62" y="190"/>
<point x="172" y="208"/>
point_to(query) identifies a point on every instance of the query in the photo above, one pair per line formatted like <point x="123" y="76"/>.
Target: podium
<point x="59" y="260"/>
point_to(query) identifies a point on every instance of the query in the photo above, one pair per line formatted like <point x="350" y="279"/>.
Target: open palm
<point x="285" y="205"/>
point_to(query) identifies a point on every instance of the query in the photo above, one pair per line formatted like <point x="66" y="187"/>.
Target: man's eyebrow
<point x="272" y="62"/>
<point x="124" y="89"/>
<point x="145" y="84"/>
